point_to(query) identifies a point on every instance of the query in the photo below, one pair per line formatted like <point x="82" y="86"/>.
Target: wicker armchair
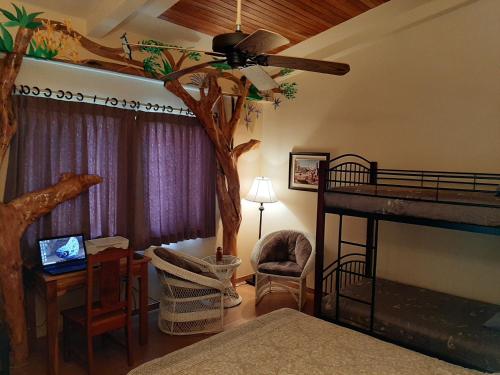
<point x="191" y="302"/>
<point x="281" y="261"/>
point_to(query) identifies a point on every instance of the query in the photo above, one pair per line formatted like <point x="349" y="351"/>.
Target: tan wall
<point x="426" y="97"/>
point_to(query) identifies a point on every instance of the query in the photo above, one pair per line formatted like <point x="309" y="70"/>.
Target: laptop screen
<point x="62" y="249"/>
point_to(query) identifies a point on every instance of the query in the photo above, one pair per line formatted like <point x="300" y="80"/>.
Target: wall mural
<point x="54" y="40"/>
<point x="59" y="41"/>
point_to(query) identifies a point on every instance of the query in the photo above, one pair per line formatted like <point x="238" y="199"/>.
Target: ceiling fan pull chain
<point x="238" y="15"/>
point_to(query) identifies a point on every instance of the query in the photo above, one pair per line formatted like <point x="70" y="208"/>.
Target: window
<point x="158" y="170"/>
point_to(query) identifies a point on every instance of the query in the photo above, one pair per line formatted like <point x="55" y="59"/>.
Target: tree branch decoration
<point x="17" y="215"/>
<point x="54" y="40"/>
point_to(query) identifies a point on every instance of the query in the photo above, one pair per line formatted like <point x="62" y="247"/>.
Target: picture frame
<point x="303" y="170"/>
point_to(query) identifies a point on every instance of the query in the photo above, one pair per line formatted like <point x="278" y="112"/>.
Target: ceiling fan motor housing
<point x="224" y="43"/>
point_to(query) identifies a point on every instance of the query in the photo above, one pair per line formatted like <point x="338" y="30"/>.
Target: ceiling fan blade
<point x="194" y="68"/>
<point x="261" y="41"/>
<point x="320" y="66"/>
<point x="259" y="78"/>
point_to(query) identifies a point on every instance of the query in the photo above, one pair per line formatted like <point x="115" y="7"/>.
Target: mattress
<point x="289" y="342"/>
<point x="448" y="326"/>
<point x="462" y="207"/>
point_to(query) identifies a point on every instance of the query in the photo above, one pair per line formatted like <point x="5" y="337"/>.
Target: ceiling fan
<point x="247" y="52"/>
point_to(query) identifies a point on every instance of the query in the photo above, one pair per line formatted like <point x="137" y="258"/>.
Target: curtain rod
<point x="69" y="96"/>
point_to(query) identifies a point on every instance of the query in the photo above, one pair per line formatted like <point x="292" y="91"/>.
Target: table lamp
<point x="261" y="192"/>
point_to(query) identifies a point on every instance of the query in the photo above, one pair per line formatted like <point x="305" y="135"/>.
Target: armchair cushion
<point x="285" y="268"/>
<point x="286" y="246"/>
<point x="178" y="261"/>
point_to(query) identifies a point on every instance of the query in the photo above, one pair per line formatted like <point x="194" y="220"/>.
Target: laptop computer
<point x="63" y="254"/>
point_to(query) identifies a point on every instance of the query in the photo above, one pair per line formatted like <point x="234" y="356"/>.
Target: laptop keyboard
<point x="67" y="268"/>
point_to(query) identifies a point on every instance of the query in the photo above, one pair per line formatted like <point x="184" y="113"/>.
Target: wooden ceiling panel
<point x="296" y="20"/>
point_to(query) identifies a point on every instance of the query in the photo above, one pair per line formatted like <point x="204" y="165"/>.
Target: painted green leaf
<point x="11" y="24"/>
<point x="7" y="39"/>
<point x="289" y="90"/>
<point x="32" y="16"/>
<point x="19" y="12"/>
<point x="51" y="54"/>
<point x="25" y="14"/>
<point x="24" y="21"/>
<point x="33" y="25"/>
<point x="253" y="93"/>
<point x="167" y="68"/>
<point x="196" y="56"/>
<point x="285" y="71"/>
<point x="150" y="65"/>
<point x="2" y="46"/>
<point x="222" y="66"/>
<point x="8" y="15"/>
<point x="151" y="47"/>
<point x="36" y="51"/>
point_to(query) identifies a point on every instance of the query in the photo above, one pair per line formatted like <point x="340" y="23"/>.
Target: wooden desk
<point x="51" y="287"/>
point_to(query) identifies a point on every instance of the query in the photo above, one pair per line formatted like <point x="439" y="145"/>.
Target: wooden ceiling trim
<point x="185" y="20"/>
<point x="210" y="15"/>
<point x="254" y="18"/>
<point x="258" y="21"/>
<point x="313" y="11"/>
<point x="267" y="11"/>
<point x="372" y="3"/>
<point x="329" y="11"/>
<point x="296" y="20"/>
<point x="301" y="8"/>
<point x="346" y="9"/>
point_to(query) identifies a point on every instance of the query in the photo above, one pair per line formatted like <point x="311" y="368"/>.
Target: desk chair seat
<point x="101" y="324"/>
<point x="112" y="311"/>
<point x="281" y="261"/>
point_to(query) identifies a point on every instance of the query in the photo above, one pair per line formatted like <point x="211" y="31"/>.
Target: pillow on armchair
<point x="172" y="258"/>
<point x="286" y="246"/>
<point x="176" y="260"/>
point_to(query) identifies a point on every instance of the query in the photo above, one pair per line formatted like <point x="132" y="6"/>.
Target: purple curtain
<point x="158" y="171"/>
<point x="178" y="171"/>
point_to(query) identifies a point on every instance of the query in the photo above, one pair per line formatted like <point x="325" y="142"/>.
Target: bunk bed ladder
<point x="370" y="270"/>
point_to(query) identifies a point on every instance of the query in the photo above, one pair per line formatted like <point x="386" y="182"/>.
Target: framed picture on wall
<point x="303" y="170"/>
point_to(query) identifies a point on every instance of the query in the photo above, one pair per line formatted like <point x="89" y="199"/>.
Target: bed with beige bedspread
<point x="289" y="342"/>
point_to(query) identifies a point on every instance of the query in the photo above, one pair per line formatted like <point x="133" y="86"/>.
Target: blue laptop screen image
<point x="62" y="249"/>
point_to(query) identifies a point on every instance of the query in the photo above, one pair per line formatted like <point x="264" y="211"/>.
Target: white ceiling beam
<point x="156" y="7"/>
<point x="112" y="13"/>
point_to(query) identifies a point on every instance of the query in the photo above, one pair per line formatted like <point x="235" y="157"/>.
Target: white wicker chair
<point x="190" y="303"/>
<point x="266" y="282"/>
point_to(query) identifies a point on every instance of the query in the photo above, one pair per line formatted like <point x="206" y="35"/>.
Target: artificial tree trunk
<point x="18" y="214"/>
<point x="15" y="217"/>
<point x="221" y="133"/>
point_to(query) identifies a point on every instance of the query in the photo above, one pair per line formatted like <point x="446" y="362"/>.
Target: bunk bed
<point x="348" y="290"/>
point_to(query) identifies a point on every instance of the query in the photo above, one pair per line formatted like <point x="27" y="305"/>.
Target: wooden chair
<point x="111" y="310"/>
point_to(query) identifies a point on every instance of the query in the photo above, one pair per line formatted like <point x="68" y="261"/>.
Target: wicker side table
<point x="224" y="271"/>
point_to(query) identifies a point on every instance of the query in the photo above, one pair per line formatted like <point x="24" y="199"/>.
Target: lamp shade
<point x="262" y="191"/>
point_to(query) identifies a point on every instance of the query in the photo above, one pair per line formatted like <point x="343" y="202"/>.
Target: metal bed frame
<point x="352" y="170"/>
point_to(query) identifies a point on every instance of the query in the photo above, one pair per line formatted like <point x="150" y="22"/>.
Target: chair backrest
<point x="286" y="245"/>
<point x="104" y="275"/>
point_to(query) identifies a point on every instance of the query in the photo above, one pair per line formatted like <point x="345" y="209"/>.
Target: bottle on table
<point x="218" y="255"/>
